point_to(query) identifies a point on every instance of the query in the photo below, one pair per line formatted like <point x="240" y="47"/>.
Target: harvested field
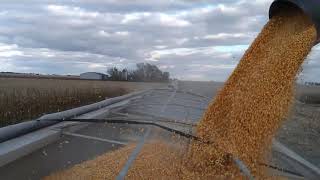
<point x="24" y="98"/>
<point x="308" y="94"/>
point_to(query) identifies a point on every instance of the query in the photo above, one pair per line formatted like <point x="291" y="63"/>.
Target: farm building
<point x="93" y="76"/>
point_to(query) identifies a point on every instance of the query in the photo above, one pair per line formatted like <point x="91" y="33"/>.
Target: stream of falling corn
<point x="250" y="108"/>
<point x="241" y="121"/>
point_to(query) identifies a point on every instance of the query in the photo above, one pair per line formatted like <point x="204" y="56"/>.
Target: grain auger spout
<point x="309" y="7"/>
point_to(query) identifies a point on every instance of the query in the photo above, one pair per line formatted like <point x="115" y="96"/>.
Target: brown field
<point x="23" y="99"/>
<point x="308" y="94"/>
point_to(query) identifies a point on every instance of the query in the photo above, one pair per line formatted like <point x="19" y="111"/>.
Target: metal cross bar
<point x="132" y="157"/>
<point x="244" y="169"/>
<point x="94" y="138"/>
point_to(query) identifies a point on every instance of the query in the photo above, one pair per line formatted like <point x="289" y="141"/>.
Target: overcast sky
<point x="196" y="40"/>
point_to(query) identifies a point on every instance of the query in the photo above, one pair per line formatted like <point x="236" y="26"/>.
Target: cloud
<point x="71" y="11"/>
<point x="7" y="51"/>
<point x="201" y="40"/>
<point x="16" y="58"/>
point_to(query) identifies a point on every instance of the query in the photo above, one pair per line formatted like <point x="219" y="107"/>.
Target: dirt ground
<point x="24" y="83"/>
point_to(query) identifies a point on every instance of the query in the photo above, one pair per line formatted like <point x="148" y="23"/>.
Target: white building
<point x="93" y="76"/>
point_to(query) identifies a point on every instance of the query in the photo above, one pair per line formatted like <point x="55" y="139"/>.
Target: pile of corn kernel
<point x="241" y="121"/>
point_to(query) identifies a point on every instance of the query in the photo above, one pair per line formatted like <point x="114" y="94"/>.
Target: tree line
<point x="312" y="83"/>
<point x="144" y="72"/>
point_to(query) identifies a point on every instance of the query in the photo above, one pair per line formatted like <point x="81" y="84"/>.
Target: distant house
<point x="93" y="76"/>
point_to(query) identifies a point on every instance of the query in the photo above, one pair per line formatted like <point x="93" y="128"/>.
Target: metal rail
<point x="13" y="131"/>
<point x="161" y="119"/>
<point x="138" y="122"/>
<point x="133" y="156"/>
<point x="244" y="169"/>
<point x="94" y="138"/>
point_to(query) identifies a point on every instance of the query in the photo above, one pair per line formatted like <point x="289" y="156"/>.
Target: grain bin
<point x="309" y="7"/>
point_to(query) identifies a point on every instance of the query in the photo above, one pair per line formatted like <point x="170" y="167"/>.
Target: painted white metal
<point x="279" y="147"/>
<point x="73" y="113"/>
<point x="94" y="138"/>
<point x="21" y="146"/>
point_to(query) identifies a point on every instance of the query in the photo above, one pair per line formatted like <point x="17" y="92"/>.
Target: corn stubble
<point x="244" y="116"/>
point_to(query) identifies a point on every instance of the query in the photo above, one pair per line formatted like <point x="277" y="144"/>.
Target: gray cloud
<point x="201" y="40"/>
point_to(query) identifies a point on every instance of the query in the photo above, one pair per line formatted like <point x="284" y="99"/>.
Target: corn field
<point x="24" y="99"/>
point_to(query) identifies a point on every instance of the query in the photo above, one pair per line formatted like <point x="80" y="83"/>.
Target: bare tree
<point x="143" y="72"/>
